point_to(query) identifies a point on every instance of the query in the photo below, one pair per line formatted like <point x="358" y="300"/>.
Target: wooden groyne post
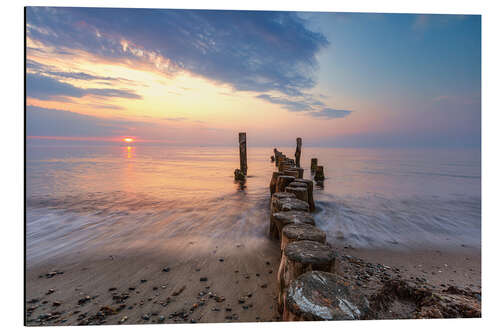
<point x="319" y="175"/>
<point x="298" y="151"/>
<point x="243" y="152"/>
<point x="314" y="164"/>
<point x="304" y="251"/>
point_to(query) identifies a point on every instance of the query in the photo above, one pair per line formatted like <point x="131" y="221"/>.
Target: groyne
<point x="315" y="282"/>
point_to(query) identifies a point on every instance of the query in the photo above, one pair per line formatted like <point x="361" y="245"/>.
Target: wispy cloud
<point x="38" y="68"/>
<point x="68" y="125"/>
<point x="308" y="104"/>
<point x="291" y="105"/>
<point x="330" y="113"/>
<point x="175" y="118"/>
<point x="45" y="88"/>
<point x="53" y="122"/>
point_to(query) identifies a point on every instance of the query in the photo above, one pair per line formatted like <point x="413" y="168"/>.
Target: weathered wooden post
<point x="293" y="232"/>
<point x="319" y="176"/>
<point x="320" y="295"/>
<point x="280" y="219"/>
<point x="283" y="182"/>
<point x="243" y="152"/>
<point x="314" y="164"/>
<point x="300" y="192"/>
<point x="310" y="188"/>
<point x="300" y="257"/>
<point x="274" y="180"/>
<point x="298" y="151"/>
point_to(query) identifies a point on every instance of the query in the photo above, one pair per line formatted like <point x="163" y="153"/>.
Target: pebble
<point x="203" y="279"/>
<point x="84" y="300"/>
<point x="166" y="269"/>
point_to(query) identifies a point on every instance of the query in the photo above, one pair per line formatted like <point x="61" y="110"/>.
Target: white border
<point x="12" y="83"/>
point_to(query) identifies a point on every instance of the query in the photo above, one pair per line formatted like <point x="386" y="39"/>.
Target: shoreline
<point x="86" y="276"/>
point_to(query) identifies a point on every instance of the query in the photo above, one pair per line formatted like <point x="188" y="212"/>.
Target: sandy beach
<point x="228" y="282"/>
<point x="192" y="283"/>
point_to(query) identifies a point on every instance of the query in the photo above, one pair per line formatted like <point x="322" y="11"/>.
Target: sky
<point x="188" y="77"/>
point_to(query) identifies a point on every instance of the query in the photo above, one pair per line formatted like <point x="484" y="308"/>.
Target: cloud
<point x="38" y="68"/>
<point x="330" y="113"/>
<point x="45" y="88"/>
<point x="68" y="125"/>
<point x="250" y="51"/>
<point x="53" y="122"/>
<point x="294" y="106"/>
<point x="175" y="118"/>
<point x="308" y="104"/>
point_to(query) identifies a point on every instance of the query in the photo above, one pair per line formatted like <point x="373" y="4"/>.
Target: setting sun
<point x="129" y="140"/>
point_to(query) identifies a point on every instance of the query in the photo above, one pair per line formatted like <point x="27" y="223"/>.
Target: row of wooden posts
<point x="280" y="160"/>
<point x="308" y="288"/>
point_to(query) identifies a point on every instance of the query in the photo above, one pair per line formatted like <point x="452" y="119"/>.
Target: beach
<point x="240" y="283"/>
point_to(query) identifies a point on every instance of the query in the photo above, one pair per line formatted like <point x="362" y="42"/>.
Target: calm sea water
<point x="90" y="198"/>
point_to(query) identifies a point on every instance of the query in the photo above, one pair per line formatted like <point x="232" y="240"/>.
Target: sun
<point x="128" y="140"/>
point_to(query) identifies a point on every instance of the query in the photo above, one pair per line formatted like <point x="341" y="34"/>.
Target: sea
<point x="82" y="199"/>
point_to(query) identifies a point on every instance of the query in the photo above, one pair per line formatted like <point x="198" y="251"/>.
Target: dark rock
<point x="179" y="291"/>
<point x="84" y="300"/>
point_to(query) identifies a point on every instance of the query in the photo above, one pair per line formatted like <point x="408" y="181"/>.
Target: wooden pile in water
<point x="307" y="287"/>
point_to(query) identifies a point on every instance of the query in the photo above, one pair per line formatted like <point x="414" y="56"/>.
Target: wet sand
<point x="191" y="283"/>
<point x="240" y="286"/>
